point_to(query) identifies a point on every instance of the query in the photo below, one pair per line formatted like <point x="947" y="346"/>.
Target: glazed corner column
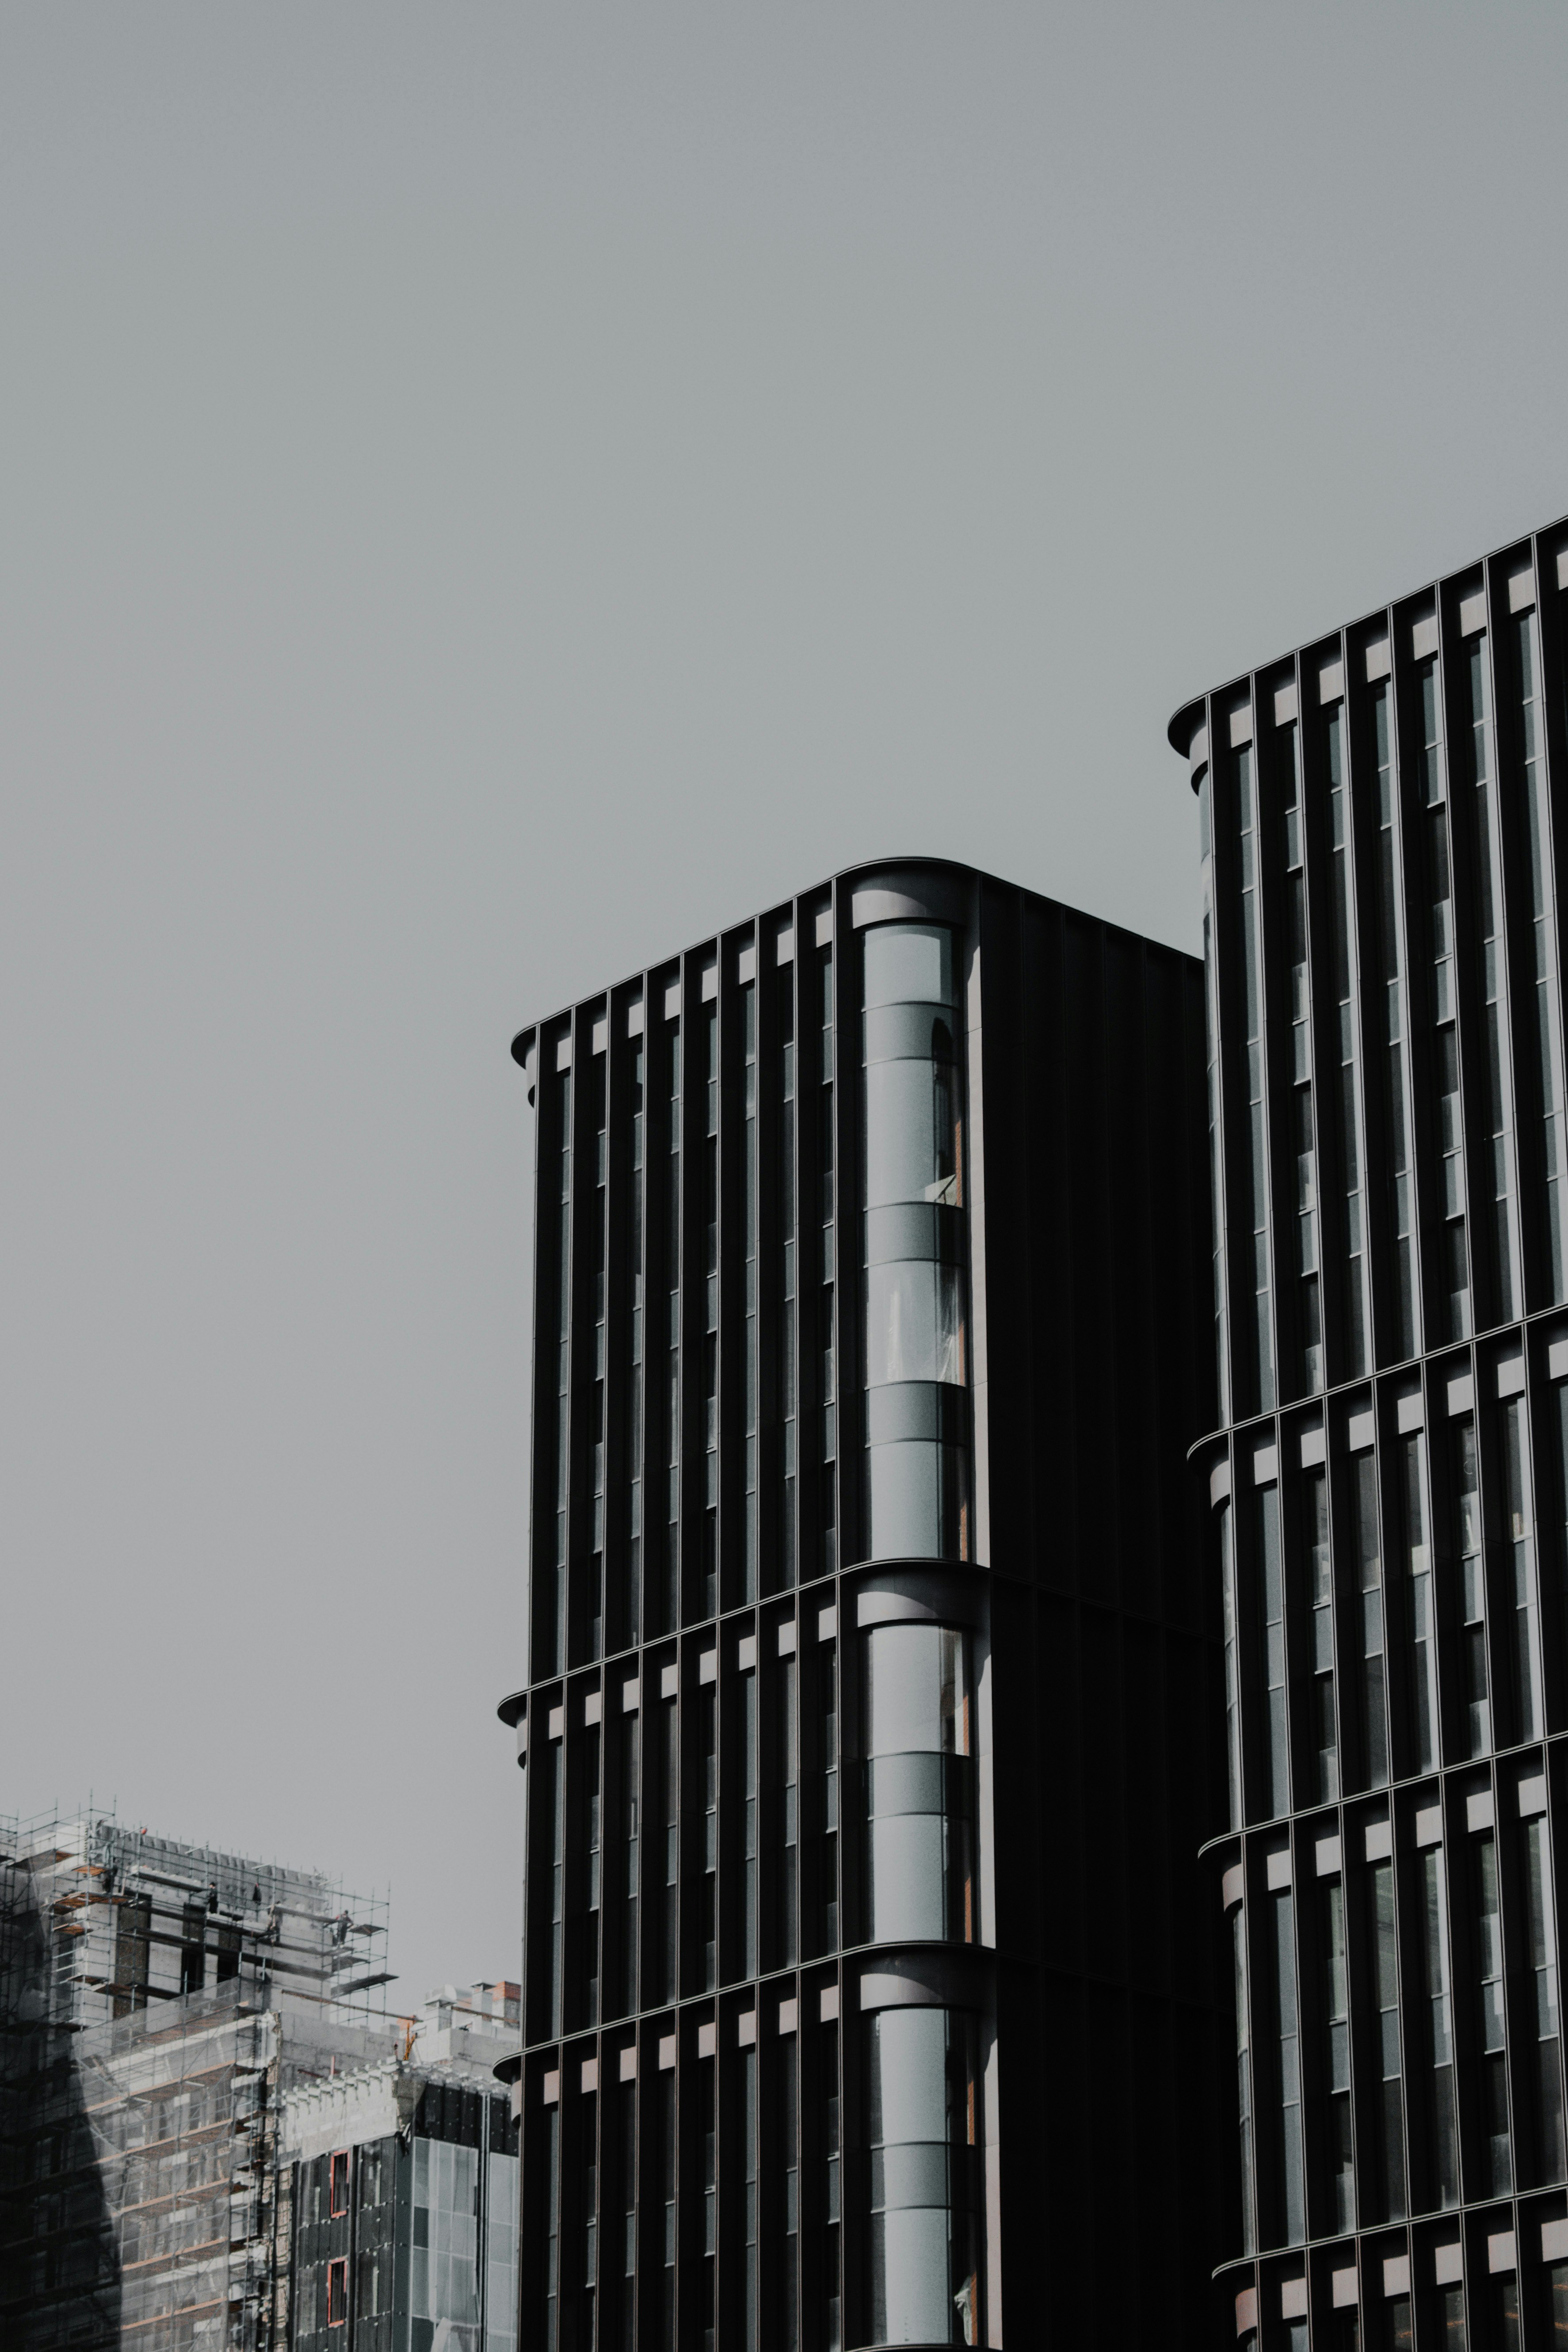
<point x="921" y="2058"/>
<point x="921" y="2112"/>
<point x="916" y="1429"/>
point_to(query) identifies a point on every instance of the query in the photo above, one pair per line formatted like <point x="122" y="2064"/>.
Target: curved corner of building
<point x="1187" y="735"/>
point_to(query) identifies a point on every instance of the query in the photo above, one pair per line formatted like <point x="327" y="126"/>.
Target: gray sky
<point x="490" y="493"/>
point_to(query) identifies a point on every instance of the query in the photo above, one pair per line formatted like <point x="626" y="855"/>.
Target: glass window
<point x="911" y="1124"/>
<point x="588" y="1806"/>
<point x="1271" y="1613"/>
<point x="1361" y="1476"/>
<point x="787" y="1803"/>
<point x="1492" y="1179"/>
<point x="445" y="2278"/>
<point x="922" y="2125"/>
<point x="747" y="1693"/>
<point x="707" y="1884"/>
<point x="1345" y="1052"/>
<point x="1442" y="2153"/>
<point x="1232" y="1678"/>
<point x="1243" y="2082"/>
<point x="919" y="1794"/>
<point x="555" y="1823"/>
<point x="665" y="2156"/>
<point x="749" y="1374"/>
<point x="748" y="2165"/>
<point x="554" y="1643"/>
<point x="1472" y="1586"/>
<point x="1422" y="1709"/>
<point x="1541" y="1921"/>
<point x="914" y="1290"/>
<point x="1490" y="2036"/>
<point x="662" y="1615"/>
<point x="627" y="1746"/>
<point x="1291" y="2214"/>
<point x="1392" y="974"/>
<point x="1324" y="1723"/>
<point x="629" y="1601"/>
<point x="501" y="2254"/>
<point x="1557" y="2306"/>
<point x="909" y="963"/>
<point x="552" y="2231"/>
<point x="1544" y="1000"/>
<point x="914" y="1323"/>
<point x="1336" y="2006"/>
<point x="1455" y="1267"/>
<point x="1253" y="1208"/>
<point x="1390" y="2105"/>
<point x="788" y="1400"/>
<point x="787" y="2090"/>
<point x="1211" y="1032"/>
<point x="1514" y="1451"/>
<point x="832" y="2329"/>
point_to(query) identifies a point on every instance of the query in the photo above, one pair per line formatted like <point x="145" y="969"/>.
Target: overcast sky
<point x="489" y="493"/>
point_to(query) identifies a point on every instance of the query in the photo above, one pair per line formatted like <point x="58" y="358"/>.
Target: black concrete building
<point x="1385" y="846"/>
<point x="875" y="1716"/>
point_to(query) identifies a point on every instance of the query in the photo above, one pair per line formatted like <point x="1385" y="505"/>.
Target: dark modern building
<point x="1385" y="849"/>
<point x="875" y="1716"/>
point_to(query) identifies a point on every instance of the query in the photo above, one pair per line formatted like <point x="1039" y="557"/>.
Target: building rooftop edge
<point x="1188" y="716"/>
<point x="523" y="1038"/>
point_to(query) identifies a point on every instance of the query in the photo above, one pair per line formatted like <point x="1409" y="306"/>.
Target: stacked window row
<point x="1395" y="1576"/>
<point x="1398" y="2041"/>
<point x="688" y="1123"/>
<point x="760" y="2172"/>
<point x="1380" y="876"/>
<point x="1495" y="2282"/>
<point x="691" y="1341"/>
<point x="687" y="1829"/>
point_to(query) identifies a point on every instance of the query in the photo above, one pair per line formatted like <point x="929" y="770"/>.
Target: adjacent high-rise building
<point x="212" y="2139"/>
<point x="397" y="2200"/>
<point x="874" y="1716"/>
<point x="1384" y="831"/>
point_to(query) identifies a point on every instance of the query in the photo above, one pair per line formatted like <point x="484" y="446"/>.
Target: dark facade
<point x="873" y="1706"/>
<point x="1383" y="844"/>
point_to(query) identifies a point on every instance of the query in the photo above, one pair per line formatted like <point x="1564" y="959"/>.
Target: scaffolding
<point x="157" y="2001"/>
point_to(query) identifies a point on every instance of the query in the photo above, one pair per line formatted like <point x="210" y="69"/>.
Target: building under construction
<point x="174" y="2024"/>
